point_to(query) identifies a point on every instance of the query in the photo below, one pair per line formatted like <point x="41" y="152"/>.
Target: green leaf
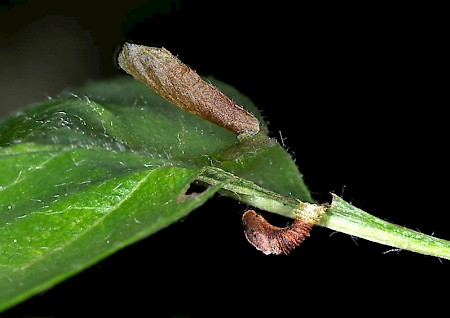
<point x="101" y="167"/>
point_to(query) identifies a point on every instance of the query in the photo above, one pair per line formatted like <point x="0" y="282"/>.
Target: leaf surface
<point x="98" y="168"/>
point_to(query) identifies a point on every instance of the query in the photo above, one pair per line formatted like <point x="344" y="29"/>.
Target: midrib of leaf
<point x="93" y="226"/>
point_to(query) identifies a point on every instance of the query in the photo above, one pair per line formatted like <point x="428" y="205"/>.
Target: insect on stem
<point x="173" y="80"/>
<point x="271" y="239"/>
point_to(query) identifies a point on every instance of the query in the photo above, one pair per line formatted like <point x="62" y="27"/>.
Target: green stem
<point x="344" y="217"/>
<point x="252" y="194"/>
<point x="339" y="216"/>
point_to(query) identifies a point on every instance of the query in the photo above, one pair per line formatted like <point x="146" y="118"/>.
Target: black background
<point x="356" y="93"/>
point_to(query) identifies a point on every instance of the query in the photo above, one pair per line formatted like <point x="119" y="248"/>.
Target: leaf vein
<point x="91" y="227"/>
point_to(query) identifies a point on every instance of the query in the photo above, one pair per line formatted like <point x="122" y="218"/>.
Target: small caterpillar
<point x="271" y="239"/>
